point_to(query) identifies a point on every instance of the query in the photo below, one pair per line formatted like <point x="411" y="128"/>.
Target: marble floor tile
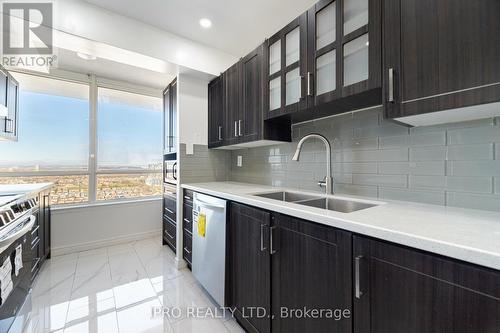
<point x="117" y="289"/>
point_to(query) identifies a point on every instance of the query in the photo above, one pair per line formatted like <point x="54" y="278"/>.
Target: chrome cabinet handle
<point x="239" y="128"/>
<point x="300" y="87"/>
<point x="357" y="288"/>
<point x="391" y="85"/>
<point x="271" y="243"/>
<point x="236" y="128"/>
<point x="187" y="251"/>
<point x="262" y="229"/>
<point x="220" y="133"/>
<point x="309" y="84"/>
<point x="169" y="235"/>
<point x="168" y="210"/>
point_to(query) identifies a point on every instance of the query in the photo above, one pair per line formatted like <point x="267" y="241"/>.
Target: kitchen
<point x="180" y="169"/>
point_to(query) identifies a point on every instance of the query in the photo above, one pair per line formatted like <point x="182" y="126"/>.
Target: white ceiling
<point x="238" y="26"/>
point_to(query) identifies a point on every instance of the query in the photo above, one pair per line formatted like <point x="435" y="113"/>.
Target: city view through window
<point x="54" y="143"/>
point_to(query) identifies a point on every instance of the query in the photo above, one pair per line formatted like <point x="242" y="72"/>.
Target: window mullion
<point x="92" y="138"/>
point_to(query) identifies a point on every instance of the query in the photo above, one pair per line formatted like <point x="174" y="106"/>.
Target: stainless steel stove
<point x="17" y="219"/>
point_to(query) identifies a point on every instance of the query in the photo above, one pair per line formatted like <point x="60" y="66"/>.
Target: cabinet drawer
<point x="169" y="207"/>
<point x="188" y="246"/>
<point x="187" y="219"/>
<point x="188" y="197"/>
<point x="169" y="232"/>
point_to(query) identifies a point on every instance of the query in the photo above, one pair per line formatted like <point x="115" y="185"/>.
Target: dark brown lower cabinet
<point x="406" y="290"/>
<point x="311" y="271"/>
<point x="250" y="266"/>
<point x="187" y="226"/>
<point x="295" y="265"/>
<point x="169" y="233"/>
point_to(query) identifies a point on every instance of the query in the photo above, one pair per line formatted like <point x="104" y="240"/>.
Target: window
<point x="129" y="158"/>
<point x="53" y="138"/>
<point x="55" y="145"/>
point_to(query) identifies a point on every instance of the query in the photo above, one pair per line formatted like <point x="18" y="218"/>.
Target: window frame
<point x="94" y="83"/>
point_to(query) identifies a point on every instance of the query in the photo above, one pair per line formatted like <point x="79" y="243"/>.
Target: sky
<point x="54" y="130"/>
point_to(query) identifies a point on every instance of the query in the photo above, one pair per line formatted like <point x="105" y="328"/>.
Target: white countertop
<point x="465" y="234"/>
<point x="24" y="188"/>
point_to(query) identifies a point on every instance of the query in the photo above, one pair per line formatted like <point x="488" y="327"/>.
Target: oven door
<point x="11" y="307"/>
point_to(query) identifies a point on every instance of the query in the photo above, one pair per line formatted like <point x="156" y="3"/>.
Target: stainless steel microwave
<point x="170" y="168"/>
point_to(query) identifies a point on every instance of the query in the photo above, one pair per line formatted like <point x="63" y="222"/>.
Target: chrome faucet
<point x="328" y="181"/>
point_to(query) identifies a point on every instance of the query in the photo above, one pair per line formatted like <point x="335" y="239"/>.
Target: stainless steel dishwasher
<point x="209" y="244"/>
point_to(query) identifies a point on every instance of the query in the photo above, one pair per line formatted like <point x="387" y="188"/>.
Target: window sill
<point x="105" y="203"/>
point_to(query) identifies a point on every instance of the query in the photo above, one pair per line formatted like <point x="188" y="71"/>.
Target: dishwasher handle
<point x="199" y="202"/>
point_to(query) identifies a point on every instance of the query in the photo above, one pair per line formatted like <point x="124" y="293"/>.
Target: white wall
<point x="82" y="228"/>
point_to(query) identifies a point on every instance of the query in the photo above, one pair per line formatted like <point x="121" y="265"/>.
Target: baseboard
<point x="57" y="251"/>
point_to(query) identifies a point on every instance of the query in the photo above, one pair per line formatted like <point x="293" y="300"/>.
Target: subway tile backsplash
<point x="454" y="164"/>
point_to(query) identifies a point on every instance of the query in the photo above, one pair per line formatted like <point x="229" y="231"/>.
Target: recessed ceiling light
<point x="86" y="56"/>
<point x="205" y="23"/>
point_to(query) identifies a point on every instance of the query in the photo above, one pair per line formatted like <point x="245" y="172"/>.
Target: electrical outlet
<point x="240" y="161"/>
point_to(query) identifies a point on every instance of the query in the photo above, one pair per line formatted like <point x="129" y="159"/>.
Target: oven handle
<point x="20" y="233"/>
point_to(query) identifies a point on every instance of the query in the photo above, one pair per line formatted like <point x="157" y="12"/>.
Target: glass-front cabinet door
<point x="343" y="60"/>
<point x="361" y="46"/>
<point x="286" y="59"/>
<point x="323" y="62"/>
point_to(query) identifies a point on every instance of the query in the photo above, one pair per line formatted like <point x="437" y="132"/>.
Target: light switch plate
<point x="239" y="161"/>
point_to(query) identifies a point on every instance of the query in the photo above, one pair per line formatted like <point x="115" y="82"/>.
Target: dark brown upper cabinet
<point x="398" y="289"/>
<point x="440" y="55"/>
<point x="216" y="112"/>
<point x="170" y="118"/>
<point x="9" y="106"/>
<point x="344" y="41"/>
<point x="336" y="46"/>
<point x="236" y="107"/>
<point x="232" y="100"/>
<point x="286" y="69"/>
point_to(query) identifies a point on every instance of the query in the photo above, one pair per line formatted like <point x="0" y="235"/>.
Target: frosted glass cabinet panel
<point x="356" y="60"/>
<point x="292" y="46"/>
<point x="275" y="93"/>
<point x="326" y="26"/>
<point x="292" y="93"/>
<point x="355" y="15"/>
<point x="326" y="73"/>
<point x="275" y="57"/>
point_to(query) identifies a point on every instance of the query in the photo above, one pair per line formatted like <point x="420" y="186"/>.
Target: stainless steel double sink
<point x="318" y="201"/>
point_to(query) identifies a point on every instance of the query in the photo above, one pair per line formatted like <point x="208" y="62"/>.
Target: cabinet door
<point x="170" y="117"/>
<point x="361" y="52"/>
<point x="41" y="227"/>
<point x="4" y="84"/>
<point x="323" y="49"/>
<point x="11" y="122"/>
<point x="250" y="266"/>
<point x="251" y="95"/>
<point x="232" y="86"/>
<point x="47" y="212"/>
<point x="311" y="268"/>
<point x="285" y="70"/>
<point x="167" y="120"/>
<point x="173" y="111"/>
<point x="216" y="129"/>
<point x="405" y="290"/>
<point x="440" y="54"/>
